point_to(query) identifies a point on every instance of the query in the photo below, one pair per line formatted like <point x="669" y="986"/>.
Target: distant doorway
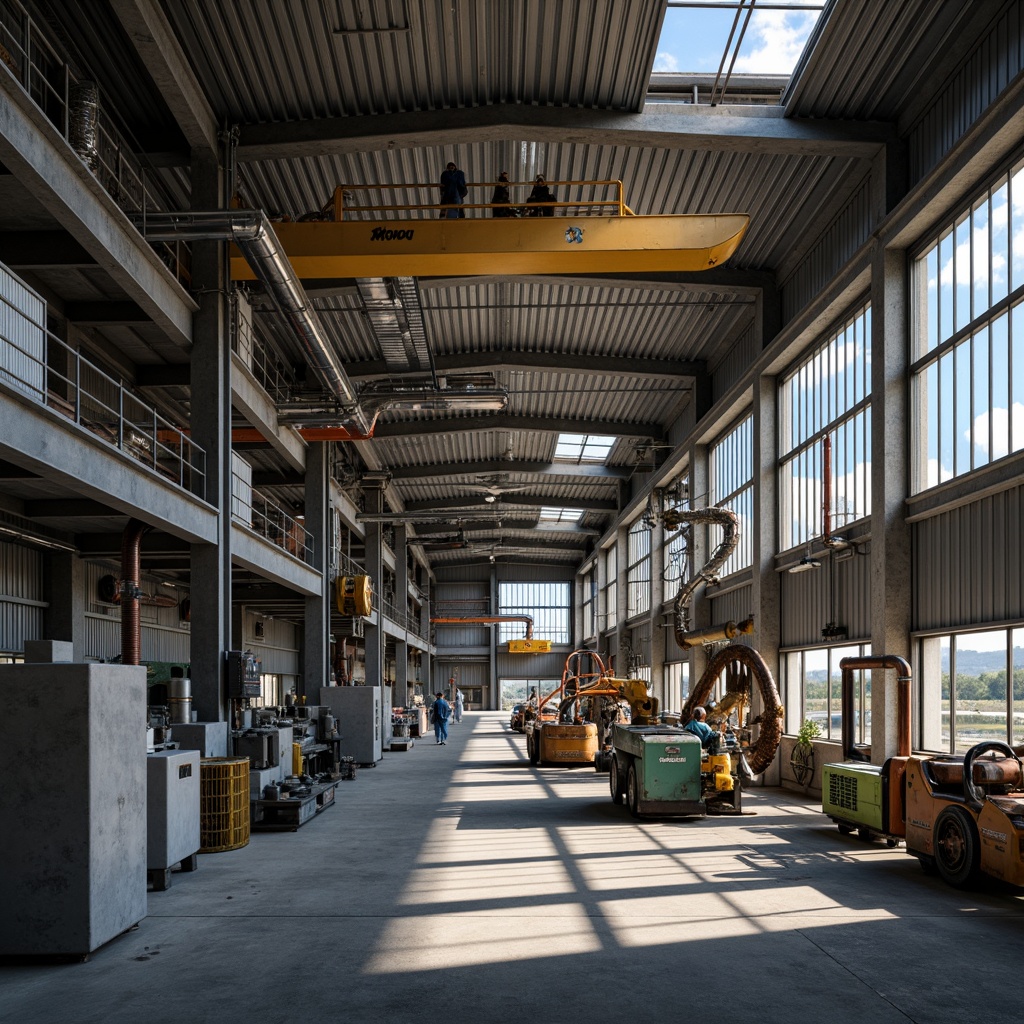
<point x="515" y="691"/>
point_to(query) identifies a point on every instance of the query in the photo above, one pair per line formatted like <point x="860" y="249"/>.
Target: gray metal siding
<point x="969" y="563"/>
<point x="735" y="363"/>
<point x="993" y="64"/>
<point x="22" y="337"/>
<point x="21" y="596"/>
<point x="807" y="602"/>
<point x="837" y="243"/>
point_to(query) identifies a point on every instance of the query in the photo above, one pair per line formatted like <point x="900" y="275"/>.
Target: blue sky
<point x="694" y="39"/>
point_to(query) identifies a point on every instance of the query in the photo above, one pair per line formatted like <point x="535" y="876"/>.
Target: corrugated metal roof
<point x="867" y="58"/>
<point x="266" y="61"/>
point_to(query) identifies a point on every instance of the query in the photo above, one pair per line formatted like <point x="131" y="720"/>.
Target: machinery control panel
<point x="244" y="670"/>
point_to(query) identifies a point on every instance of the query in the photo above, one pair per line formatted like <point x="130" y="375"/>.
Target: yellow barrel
<point x="223" y="803"/>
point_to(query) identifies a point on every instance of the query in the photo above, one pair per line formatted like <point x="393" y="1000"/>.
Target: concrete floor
<point x="463" y="883"/>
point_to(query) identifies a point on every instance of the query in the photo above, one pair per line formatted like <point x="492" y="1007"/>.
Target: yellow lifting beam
<point x="423" y="243"/>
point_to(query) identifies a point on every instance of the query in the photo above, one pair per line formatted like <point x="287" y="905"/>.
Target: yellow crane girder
<point x="507" y="246"/>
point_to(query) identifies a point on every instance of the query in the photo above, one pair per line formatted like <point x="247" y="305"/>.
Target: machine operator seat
<point x="995" y="777"/>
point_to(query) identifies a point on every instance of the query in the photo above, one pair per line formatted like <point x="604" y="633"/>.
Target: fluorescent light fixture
<point x="805" y="564"/>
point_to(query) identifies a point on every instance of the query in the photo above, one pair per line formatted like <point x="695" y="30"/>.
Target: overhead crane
<point x="417" y="240"/>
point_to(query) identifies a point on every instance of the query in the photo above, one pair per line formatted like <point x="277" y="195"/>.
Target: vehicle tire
<point x="533" y="748"/>
<point x="633" y="792"/>
<point x="957" y="850"/>
<point x="615" y="781"/>
<point x="845" y="830"/>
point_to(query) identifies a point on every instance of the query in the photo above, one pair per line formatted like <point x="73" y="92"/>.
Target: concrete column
<point x="700" y="607"/>
<point x="890" y="534"/>
<point x="492" y="686"/>
<point x="373" y="491"/>
<point x="64" y="583"/>
<point x="767" y="586"/>
<point x="210" y="385"/>
<point x="621" y="603"/>
<point x="401" y="691"/>
<point x="655" y="619"/>
<point x="316" y="646"/>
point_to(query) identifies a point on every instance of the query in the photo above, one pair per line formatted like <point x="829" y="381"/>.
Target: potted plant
<point x="802" y="758"/>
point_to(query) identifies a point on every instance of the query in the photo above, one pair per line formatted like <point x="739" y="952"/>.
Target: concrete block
<point x="209" y="738"/>
<point x="172" y="807"/>
<point x="73" y="817"/>
<point x="49" y="651"/>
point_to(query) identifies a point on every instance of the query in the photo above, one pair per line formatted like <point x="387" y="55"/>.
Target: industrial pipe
<point x="252" y="233"/>
<point x="131" y="573"/>
<point x="847" y="666"/>
<point x="528" y="619"/>
<point x="713" y="634"/>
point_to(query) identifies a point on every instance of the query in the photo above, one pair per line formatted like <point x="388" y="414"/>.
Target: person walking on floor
<point x="459" y="704"/>
<point x="453" y="191"/>
<point x="441" y="710"/>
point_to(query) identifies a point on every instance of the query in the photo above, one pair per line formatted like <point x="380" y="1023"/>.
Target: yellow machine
<point x="571" y="725"/>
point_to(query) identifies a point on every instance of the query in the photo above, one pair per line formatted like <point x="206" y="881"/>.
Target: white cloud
<point x="1000" y="430"/>
<point x="666" y="61"/>
<point x="775" y="40"/>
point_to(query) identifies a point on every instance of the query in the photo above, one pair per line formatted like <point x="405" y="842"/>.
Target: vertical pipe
<point x="131" y="571"/>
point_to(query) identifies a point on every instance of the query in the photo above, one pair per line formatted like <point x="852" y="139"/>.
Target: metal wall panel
<point x="22" y="337"/>
<point x="969" y="563"/>
<point x="21" y="596"/>
<point x="840" y="594"/>
<point x="530" y="666"/>
<point x="278" y="648"/>
<point x="735" y="363"/>
<point x="734" y="606"/>
<point x="837" y="243"/>
<point x="994" y="63"/>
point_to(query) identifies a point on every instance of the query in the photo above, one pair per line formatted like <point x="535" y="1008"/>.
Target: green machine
<point x="851" y="794"/>
<point x="662" y="769"/>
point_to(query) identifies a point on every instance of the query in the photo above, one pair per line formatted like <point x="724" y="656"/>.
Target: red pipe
<point x="131" y="572"/>
<point x="850" y="665"/>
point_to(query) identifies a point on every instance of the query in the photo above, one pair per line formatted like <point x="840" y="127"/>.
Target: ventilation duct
<point x="252" y="233"/>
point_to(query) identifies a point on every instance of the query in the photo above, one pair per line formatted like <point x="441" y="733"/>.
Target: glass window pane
<point x="962" y="407"/>
<point x="1000" y="411"/>
<point x="981" y="417"/>
<point x="980" y="688"/>
<point x="999" y="243"/>
<point x="962" y="273"/>
<point x="1017" y="378"/>
<point x="1018" y="686"/>
<point x="1017" y="231"/>
<point x="980" y="251"/>
<point x="816" y="707"/>
<point x="946" y="431"/>
<point x="946" y="286"/>
<point x="929" y="269"/>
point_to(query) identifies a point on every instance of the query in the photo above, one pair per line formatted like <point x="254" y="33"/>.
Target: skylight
<point x="755" y="37"/>
<point x="550" y="514"/>
<point x="583" y="447"/>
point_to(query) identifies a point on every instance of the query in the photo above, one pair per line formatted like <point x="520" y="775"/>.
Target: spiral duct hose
<point x="743" y="666"/>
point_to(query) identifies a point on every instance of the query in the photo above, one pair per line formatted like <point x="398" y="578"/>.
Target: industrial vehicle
<point x="962" y="815"/>
<point x="661" y="768"/>
<point x="572" y="722"/>
<point x="515" y="722"/>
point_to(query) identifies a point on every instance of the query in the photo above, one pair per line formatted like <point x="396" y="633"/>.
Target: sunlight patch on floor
<point x="474" y="939"/>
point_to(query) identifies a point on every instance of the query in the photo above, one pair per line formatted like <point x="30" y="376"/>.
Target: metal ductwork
<point x="393" y="308"/>
<point x="252" y="233"/>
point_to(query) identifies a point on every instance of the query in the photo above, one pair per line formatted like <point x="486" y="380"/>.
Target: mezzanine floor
<point x="462" y="884"/>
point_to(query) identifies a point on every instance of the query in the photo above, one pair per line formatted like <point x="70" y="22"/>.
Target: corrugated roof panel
<point x="269" y="61"/>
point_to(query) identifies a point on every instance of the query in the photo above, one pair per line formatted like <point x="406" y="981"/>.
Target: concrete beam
<point x="249" y="398"/>
<point x="542" y="362"/>
<point x="165" y="60"/>
<point x="77" y="460"/>
<point x="731" y="129"/>
<point x="42" y="250"/>
<point x="105" y="314"/>
<point x="33" y="149"/>
<point x="509" y="421"/>
<point x="272" y="563"/>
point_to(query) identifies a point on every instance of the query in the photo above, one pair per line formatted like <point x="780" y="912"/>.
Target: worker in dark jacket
<point x="453" y="191"/>
<point x="501" y="198"/>
<point x="540" y="193"/>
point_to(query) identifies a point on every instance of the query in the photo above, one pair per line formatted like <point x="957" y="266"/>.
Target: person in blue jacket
<point x="700" y="728"/>
<point x="441" y="710"/>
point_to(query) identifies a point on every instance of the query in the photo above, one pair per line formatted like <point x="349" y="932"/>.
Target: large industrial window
<point x="812" y="691"/>
<point x="968" y="337"/>
<point x="550" y="604"/>
<point x="588" y="603"/>
<point x="677" y="566"/>
<point x="677" y="685"/>
<point x="610" y="591"/>
<point x="732" y="476"/>
<point x="825" y="401"/>
<point x="962" y="688"/>
<point x="638" y="570"/>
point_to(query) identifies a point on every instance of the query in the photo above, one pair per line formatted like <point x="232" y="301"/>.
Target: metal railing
<point x="26" y="51"/>
<point x="267" y="519"/>
<point x="63" y="380"/>
<point x="348" y="566"/>
<point x="341" y="207"/>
